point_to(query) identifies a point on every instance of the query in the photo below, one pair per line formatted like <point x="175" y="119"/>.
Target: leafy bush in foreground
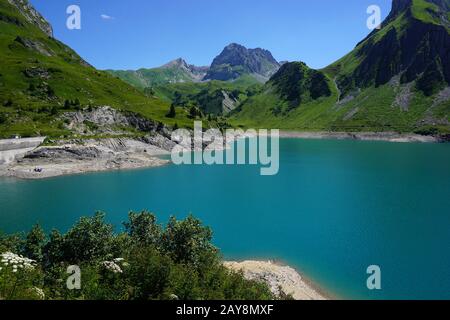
<point x="146" y="261"/>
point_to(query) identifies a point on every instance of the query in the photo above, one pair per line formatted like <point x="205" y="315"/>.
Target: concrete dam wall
<point x="12" y="149"/>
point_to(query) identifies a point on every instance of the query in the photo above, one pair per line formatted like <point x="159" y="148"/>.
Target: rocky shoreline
<point x="278" y="277"/>
<point x="76" y="157"/>
<point x="47" y="169"/>
<point x="363" y="136"/>
<point x="25" y="159"/>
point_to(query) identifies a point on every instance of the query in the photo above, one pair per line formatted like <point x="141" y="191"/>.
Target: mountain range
<point x="233" y="62"/>
<point x="396" y="79"/>
<point x="217" y="89"/>
<point x="175" y="71"/>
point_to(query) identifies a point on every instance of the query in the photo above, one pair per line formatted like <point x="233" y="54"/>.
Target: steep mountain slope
<point x="397" y="78"/>
<point x="175" y="71"/>
<point x="32" y="16"/>
<point x="236" y="60"/>
<point x="296" y="97"/>
<point x="414" y="43"/>
<point x="297" y="84"/>
<point x="40" y="78"/>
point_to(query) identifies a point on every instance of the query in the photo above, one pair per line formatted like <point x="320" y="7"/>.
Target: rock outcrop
<point x="106" y="119"/>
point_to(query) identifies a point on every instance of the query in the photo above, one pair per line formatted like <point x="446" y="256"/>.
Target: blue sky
<point x="149" y="33"/>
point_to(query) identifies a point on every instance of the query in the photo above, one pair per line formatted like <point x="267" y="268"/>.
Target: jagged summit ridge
<point x="401" y="6"/>
<point x="236" y="60"/>
<point x="181" y="64"/>
<point x="398" y="6"/>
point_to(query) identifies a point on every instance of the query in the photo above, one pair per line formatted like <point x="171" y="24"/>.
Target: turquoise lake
<point x="335" y="208"/>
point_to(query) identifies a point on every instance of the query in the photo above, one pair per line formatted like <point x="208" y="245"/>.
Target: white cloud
<point x="106" y="17"/>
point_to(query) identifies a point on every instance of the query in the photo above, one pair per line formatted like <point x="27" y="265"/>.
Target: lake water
<point x="335" y="208"/>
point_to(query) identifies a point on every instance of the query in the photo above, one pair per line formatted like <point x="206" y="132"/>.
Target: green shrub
<point x="34" y="243"/>
<point x="172" y="112"/>
<point x="143" y="229"/>
<point x="147" y="261"/>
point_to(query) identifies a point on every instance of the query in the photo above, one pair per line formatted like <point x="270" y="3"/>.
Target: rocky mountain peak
<point x="235" y="46"/>
<point x="413" y="47"/>
<point x="400" y="6"/>
<point x="32" y="16"/>
<point x="236" y="60"/>
<point x="238" y="54"/>
<point x="180" y="62"/>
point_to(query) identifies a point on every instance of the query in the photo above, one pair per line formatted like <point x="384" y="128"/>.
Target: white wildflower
<point x="38" y="292"/>
<point x="112" y="266"/>
<point x="16" y="262"/>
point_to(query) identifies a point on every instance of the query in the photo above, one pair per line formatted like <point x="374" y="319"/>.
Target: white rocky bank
<point x="88" y="156"/>
<point x="277" y="276"/>
<point x="30" y="159"/>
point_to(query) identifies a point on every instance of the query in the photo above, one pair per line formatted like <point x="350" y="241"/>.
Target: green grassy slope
<point x="174" y="84"/>
<point x="287" y="109"/>
<point x="147" y="78"/>
<point x="207" y="96"/>
<point x="372" y="109"/>
<point x="38" y="74"/>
